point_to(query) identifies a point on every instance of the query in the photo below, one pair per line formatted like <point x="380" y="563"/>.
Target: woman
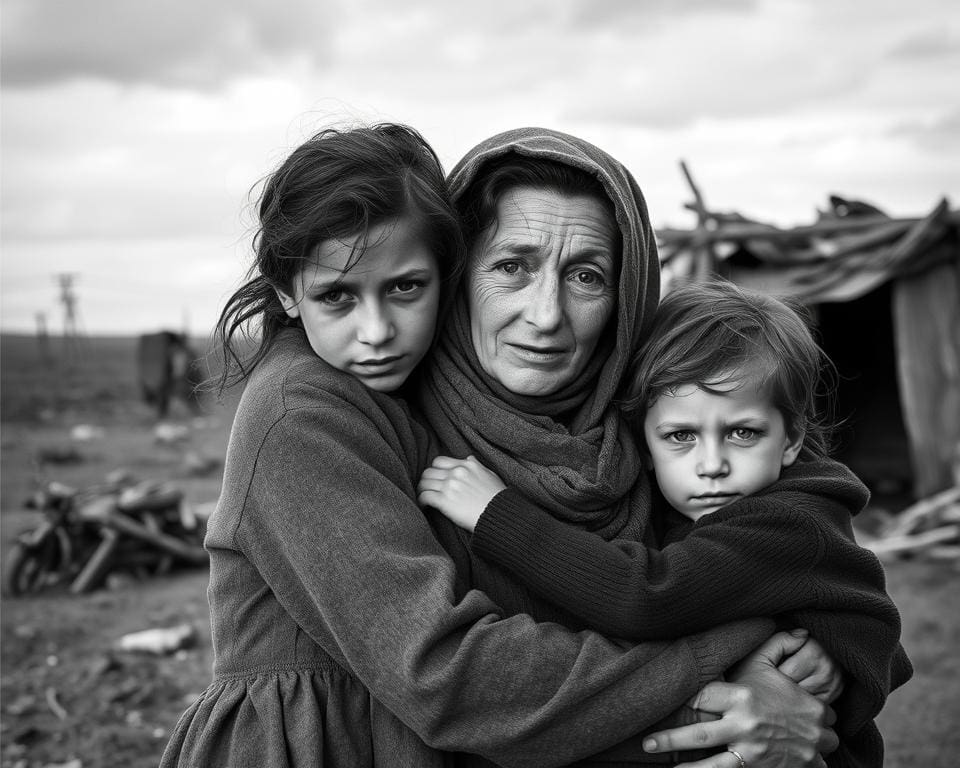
<point x="561" y="285"/>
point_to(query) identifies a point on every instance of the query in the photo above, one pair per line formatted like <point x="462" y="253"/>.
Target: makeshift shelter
<point x="168" y="368"/>
<point x="885" y="294"/>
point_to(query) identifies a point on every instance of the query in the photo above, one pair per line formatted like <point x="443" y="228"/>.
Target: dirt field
<point x="70" y="698"/>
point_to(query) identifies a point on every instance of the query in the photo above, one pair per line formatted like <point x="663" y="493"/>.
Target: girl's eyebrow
<point x="343" y="282"/>
<point x="333" y="283"/>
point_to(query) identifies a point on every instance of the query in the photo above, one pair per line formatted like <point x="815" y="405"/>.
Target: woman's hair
<point x="337" y="185"/>
<point x="710" y="333"/>
<point x="478" y="205"/>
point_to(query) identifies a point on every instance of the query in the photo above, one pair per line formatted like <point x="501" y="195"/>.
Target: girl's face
<point x="377" y="320"/>
<point x="710" y="448"/>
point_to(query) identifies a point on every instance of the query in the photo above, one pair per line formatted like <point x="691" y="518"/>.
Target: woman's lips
<point x="538" y="354"/>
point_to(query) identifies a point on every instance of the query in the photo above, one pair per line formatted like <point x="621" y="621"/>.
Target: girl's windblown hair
<point x="708" y="334"/>
<point x="337" y="185"/>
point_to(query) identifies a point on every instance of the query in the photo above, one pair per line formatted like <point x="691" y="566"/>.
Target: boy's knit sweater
<point x="787" y="551"/>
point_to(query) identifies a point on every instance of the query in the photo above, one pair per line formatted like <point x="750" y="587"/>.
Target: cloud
<point x="650" y="12"/>
<point x="937" y="135"/>
<point x="933" y="43"/>
<point x="179" y="43"/>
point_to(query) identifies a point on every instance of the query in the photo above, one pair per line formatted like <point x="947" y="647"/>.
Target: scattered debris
<point x="51" y="696"/>
<point x="102" y="664"/>
<point x="85" y="535"/>
<point x="196" y="464"/>
<point x="170" y="434"/>
<point x="25" y="631"/>
<point x="120" y="478"/>
<point x="134" y="717"/>
<point x="60" y="454"/>
<point x="930" y="526"/>
<point x="21" y="705"/>
<point x="85" y="433"/>
<point x="159" y="641"/>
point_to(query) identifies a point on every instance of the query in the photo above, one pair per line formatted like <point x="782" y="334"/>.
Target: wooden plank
<point x="748" y="230"/>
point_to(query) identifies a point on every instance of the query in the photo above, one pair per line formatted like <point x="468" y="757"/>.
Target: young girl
<point x="341" y="635"/>
<point x="724" y="393"/>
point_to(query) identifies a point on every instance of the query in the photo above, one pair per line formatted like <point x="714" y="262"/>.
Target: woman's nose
<point x="543" y="307"/>
<point x="712" y="461"/>
<point x="374" y="326"/>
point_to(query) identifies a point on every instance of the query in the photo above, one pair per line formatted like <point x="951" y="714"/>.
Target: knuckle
<point x="701" y="735"/>
<point x="744" y="696"/>
<point x="753" y="727"/>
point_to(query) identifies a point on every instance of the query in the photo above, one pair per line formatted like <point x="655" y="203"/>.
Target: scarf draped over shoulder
<point x="570" y="452"/>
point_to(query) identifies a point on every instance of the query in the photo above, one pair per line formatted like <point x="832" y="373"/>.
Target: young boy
<point x="759" y="519"/>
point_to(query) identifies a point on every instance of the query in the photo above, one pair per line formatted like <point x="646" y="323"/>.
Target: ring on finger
<point x="739" y="757"/>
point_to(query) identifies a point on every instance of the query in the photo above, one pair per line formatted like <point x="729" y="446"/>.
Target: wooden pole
<point x="705" y="264"/>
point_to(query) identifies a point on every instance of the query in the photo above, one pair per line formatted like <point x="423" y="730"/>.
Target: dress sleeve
<point x="331" y="523"/>
<point x="750" y="559"/>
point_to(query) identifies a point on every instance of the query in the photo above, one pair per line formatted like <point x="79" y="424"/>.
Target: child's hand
<point x="813" y="670"/>
<point x="459" y="488"/>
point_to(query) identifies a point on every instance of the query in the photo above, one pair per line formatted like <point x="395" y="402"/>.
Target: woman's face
<point x="542" y="284"/>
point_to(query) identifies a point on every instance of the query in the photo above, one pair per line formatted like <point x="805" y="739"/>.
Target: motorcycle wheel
<point x="28" y="569"/>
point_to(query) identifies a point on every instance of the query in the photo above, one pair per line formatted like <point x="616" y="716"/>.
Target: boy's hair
<point x="708" y="333"/>
<point x="337" y="185"/>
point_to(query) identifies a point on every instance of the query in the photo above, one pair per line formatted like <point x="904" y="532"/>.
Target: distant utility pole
<point x="71" y="315"/>
<point x="43" y="338"/>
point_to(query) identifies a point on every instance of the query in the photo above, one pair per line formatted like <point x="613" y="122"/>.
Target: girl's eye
<point x="744" y="433"/>
<point x="334" y="297"/>
<point x="408" y="286"/>
<point x="681" y="436"/>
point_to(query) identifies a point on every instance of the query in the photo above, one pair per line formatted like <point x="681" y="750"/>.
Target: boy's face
<point x="711" y="448"/>
<point x="377" y="320"/>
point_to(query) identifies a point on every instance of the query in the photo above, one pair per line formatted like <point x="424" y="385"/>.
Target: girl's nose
<point x="375" y="326"/>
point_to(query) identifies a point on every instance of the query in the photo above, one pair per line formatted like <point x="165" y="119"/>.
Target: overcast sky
<point x="132" y="132"/>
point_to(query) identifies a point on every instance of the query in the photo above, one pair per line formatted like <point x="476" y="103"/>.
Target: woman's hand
<point x="813" y="670"/>
<point x="459" y="488"/>
<point x="765" y="718"/>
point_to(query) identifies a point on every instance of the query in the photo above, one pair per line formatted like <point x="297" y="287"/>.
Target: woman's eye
<point x="508" y="267"/>
<point x="588" y="278"/>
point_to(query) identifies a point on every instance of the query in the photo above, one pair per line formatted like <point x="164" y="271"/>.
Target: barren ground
<point x="69" y="697"/>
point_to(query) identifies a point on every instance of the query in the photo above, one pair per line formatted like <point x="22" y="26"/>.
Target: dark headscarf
<point x="569" y="451"/>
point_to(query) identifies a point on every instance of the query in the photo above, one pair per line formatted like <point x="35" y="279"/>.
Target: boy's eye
<point x="744" y="433"/>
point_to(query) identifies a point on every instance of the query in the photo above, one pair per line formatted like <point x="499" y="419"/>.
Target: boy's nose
<point x="712" y="462"/>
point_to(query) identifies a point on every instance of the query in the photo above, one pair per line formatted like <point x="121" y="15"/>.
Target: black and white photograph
<point x="437" y="384"/>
